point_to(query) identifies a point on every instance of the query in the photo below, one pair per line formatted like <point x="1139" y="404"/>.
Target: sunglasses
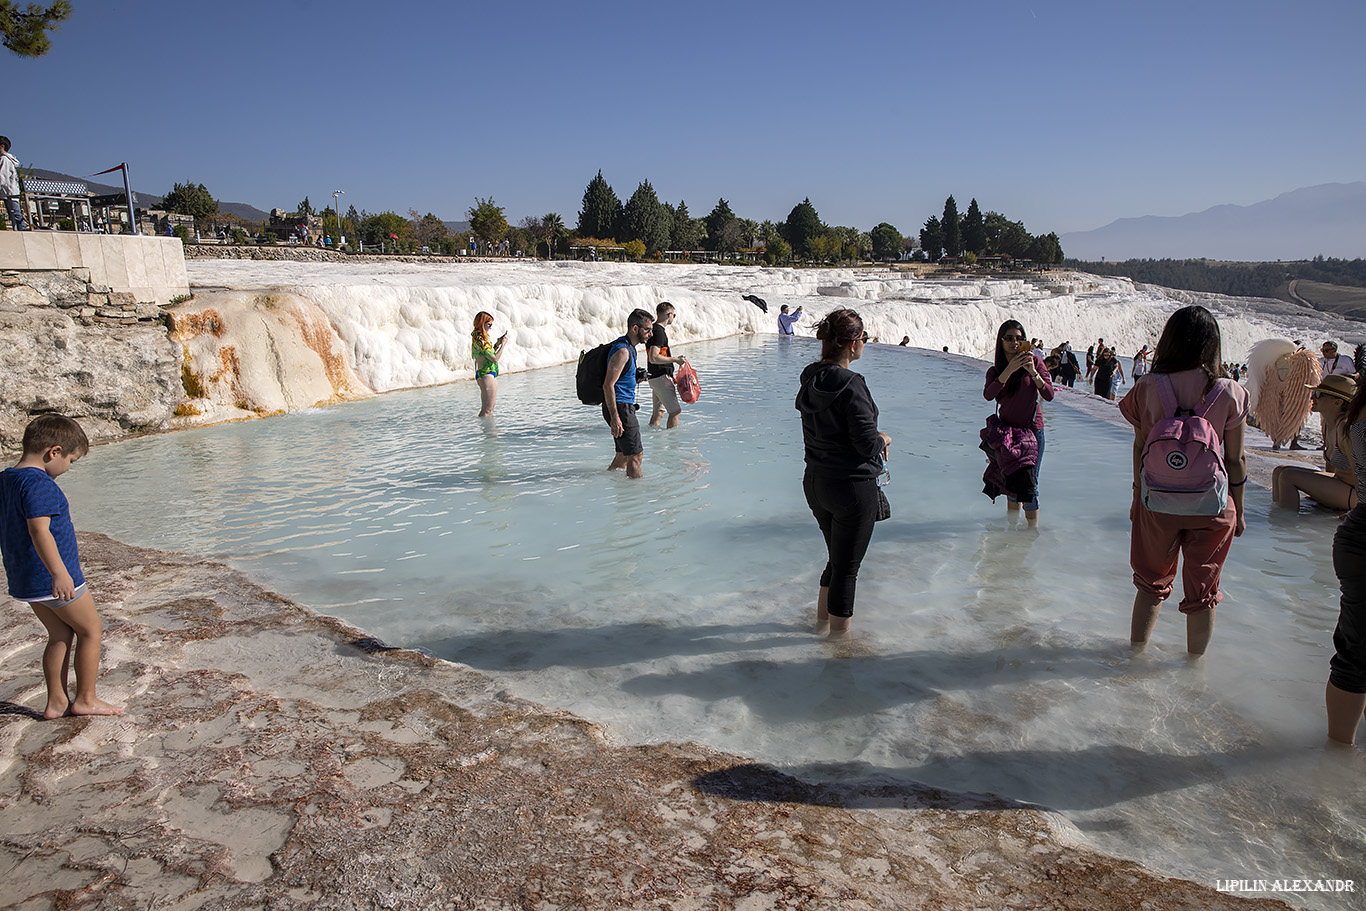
<point x="1012" y="338"/>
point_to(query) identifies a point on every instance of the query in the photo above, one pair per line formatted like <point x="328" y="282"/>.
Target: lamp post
<point x="336" y="207"/>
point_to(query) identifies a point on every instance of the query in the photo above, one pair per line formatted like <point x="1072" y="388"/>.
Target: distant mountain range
<point x="1329" y="219"/>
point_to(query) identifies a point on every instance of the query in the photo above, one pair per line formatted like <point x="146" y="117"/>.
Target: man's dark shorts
<point x="629" y="442"/>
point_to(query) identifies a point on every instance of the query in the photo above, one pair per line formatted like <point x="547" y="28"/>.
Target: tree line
<point x="974" y="235"/>
<point x="1234" y="279"/>
<point x="645" y="227"/>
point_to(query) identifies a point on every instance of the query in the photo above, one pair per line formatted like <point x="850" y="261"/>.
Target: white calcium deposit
<point x="343" y="330"/>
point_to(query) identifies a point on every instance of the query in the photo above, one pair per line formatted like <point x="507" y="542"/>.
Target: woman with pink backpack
<point x="1189" y="471"/>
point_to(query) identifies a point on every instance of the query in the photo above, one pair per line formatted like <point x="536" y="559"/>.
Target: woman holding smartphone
<point x="485" y="354"/>
<point x="1016" y="382"/>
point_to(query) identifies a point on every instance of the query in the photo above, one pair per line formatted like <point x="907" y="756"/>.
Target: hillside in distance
<point x="1328" y="220"/>
<point x="241" y="210"/>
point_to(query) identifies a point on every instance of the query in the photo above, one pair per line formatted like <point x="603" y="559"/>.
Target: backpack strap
<point x="1167" y="393"/>
<point x="1208" y="399"/>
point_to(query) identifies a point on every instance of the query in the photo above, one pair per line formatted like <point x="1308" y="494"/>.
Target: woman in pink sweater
<point x="1016" y="382"/>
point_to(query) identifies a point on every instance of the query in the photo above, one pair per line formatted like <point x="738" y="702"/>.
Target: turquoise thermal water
<point x="993" y="658"/>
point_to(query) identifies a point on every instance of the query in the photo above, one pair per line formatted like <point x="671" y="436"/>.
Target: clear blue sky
<point x="1066" y="114"/>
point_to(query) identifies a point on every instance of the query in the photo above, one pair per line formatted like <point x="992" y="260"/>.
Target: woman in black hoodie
<point x="844" y="455"/>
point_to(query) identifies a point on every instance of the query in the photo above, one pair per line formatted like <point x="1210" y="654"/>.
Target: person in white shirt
<point x="9" y="186"/>
<point x="1333" y="364"/>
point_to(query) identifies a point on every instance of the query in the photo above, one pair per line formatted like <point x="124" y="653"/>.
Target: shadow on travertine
<point x="263" y="762"/>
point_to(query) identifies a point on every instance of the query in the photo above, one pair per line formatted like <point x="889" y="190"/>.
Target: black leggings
<point x="845" y="510"/>
<point x="1348" y="667"/>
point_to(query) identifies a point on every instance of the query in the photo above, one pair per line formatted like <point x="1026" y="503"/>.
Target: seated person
<point x="1336" y="486"/>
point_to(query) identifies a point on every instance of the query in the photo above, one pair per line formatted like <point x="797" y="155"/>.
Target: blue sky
<point x="1065" y="115"/>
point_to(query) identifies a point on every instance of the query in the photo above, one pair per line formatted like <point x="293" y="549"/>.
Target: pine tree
<point x="802" y="226"/>
<point x="190" y="199"/>
<point x="723" y="234"/>
<point x="601" y="210"/>
<point x="686" y="231"/>
<point x="643" y="219"/>
<point x="951" y="229"/>
<point x="974" y="231"/>
<point x="25" y="31"/>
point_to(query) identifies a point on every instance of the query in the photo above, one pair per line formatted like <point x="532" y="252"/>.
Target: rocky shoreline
<point x="273" y="758"/>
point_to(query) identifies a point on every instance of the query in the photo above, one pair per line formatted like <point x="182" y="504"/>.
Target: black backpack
<point x="592" y="373"/>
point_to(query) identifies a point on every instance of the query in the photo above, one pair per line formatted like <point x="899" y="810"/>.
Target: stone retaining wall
<point x="149" y="268"/>
<point x="74" y="346"/>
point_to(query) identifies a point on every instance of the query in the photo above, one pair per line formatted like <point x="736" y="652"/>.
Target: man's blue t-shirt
<point x="785" y="321"/>
<point x="625" y="385"/>
<point x="28" y="493"/>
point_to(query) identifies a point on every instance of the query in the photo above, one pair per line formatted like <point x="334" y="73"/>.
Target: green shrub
<point x="66" y="224"/>
<point x="182" y="232"/>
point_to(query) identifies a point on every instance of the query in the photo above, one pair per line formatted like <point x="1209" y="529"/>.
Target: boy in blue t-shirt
<point x="38" y="543"/>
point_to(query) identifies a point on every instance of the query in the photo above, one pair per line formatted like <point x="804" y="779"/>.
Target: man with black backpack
<point x="619" y="393"/>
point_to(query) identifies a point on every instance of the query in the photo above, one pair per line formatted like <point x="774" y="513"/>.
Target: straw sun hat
<point x="1338" y="386"/>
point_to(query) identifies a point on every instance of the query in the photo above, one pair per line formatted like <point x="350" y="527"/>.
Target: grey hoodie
<point x="9" y="174"/>
<point x="839" y="423"/>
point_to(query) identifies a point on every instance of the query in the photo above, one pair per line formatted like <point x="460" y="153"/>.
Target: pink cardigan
<point x="1020" y="408"/>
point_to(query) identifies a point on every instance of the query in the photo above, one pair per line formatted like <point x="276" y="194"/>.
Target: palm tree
<point x="553" y="225"/>
<point x="749" y="230"/>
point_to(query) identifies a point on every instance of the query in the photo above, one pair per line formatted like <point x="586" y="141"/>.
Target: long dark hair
<point x="837" y="330"/>
<point x="1189" y="340"/>
<point x="1002" y="359"/>
<point x="1357" y="405"/>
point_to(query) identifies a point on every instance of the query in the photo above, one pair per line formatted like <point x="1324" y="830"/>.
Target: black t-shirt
<point x="659" y="339"/>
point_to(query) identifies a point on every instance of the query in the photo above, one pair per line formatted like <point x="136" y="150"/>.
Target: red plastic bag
<point x="688" y="387"/>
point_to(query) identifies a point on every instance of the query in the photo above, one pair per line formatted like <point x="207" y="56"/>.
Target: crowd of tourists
<point x="1189" y="472"/>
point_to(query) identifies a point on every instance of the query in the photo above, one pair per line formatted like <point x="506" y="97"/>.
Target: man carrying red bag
<point x="659" y="370"/>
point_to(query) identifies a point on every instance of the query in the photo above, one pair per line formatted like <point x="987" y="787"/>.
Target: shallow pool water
<point x="991" y="658"/>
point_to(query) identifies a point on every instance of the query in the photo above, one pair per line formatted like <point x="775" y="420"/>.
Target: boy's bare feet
<point x="94" y="706"/>
<point x="56" y="709"/>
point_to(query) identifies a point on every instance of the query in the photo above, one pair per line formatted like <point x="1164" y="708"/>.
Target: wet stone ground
<point x="266" y="761"/>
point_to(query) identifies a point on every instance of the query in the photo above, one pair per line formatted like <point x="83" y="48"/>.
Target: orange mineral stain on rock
<point x="255" y="354"/>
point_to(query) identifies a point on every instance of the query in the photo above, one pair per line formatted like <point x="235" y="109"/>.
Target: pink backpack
<point x="1182" y="470"/>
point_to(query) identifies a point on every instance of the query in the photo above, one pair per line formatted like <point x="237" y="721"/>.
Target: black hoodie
<point x="839" y="423"/>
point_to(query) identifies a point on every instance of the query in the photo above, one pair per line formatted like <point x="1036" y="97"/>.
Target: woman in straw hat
<point x="1336" y="486"/>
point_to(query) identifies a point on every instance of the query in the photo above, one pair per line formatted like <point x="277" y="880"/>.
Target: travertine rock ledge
<point x="74" y="347"/>
<point x="266" y="763"/>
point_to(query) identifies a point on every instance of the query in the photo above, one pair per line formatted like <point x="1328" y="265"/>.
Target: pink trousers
<point x="1202" y="542"/>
